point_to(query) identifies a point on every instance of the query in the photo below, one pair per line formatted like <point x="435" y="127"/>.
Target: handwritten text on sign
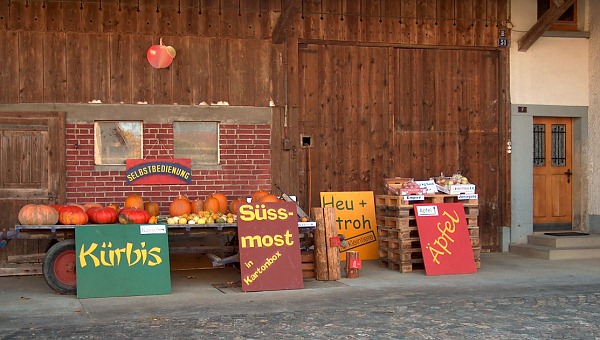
<point x="444" y="238"/>
<point x="269" y="246"/>
<point x="355" y="219"/>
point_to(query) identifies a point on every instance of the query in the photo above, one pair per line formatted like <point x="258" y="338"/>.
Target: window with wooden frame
<point x="116" y="141"/>
<point x="198" y="141"/>
<point x="567" y="21"/>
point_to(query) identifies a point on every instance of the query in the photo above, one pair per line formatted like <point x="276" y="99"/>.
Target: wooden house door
<point x="32" y="159"/>
<point x="552" y="173"/>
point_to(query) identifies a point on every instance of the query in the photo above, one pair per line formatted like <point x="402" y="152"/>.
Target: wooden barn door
<point x="32" y="159"/>
<point x="376" y="112"/>
<point x="552" y="173"/>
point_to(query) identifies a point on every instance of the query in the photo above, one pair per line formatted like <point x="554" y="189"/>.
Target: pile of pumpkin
<point x="216" y="208"/>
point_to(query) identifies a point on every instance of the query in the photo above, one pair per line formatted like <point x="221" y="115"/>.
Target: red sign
<point x="269" y="246"/>
<point x="158" y="171"/>
<point x="444" y="238"/>
<point x="355" y="263"/>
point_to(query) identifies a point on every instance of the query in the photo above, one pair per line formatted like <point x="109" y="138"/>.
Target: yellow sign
<point x="355" y="219"/>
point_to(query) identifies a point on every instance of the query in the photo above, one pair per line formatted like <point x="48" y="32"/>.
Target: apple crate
<point x="457" y="189"/>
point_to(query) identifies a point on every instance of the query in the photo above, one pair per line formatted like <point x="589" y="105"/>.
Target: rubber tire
<point x="52" y="255"/>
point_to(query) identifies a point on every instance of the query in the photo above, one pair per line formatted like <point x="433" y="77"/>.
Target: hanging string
<point x="454" y="10"/>
<point x="239" y="8"/>
<point x="179" y="7"/>
<point x="380" y="17"/>
<point x="360" y="11"/>
<point x="342" y="10"/>
<point x="321" y="9"/>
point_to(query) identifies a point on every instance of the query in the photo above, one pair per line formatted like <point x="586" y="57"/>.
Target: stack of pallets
<point x="399" y="245"/>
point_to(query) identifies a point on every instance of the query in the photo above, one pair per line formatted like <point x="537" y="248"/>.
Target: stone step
<point x="553" y="253"/>
<point x="583" y="241"/>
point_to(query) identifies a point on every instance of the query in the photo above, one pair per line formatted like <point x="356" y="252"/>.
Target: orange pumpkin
<point x="211" y="204"/>
<point x="133" y="216"/>
<point x="223" y="203"/>
<point x="181" y="205"/>
<point x="152" y="208"/>
<point x="134" y="201"/>
<point x="114" y="206"/>
<point x="73" y="217"/>
<point x="233" y="206"/>
<point x="269" y="198"/>
<point x="33" y="214"/>
<point x="197" y="205"/>
<point x="256" y="196"/>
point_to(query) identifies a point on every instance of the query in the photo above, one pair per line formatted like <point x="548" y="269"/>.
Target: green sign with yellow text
<point x="122" y="260"/>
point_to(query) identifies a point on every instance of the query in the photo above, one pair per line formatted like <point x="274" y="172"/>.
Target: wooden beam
<point x="542" y="25"/>
<point x="290" y="8"/>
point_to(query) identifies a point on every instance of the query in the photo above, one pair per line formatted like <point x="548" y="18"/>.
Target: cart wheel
<point x="59" y="267"/>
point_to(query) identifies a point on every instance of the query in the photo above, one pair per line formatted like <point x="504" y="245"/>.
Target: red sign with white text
<point x="269" y="246"/>
<point x="444" y="238"/>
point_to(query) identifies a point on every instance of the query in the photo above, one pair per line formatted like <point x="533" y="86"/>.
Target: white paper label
<point x="468" y="197"/>
<point x="429" y="186"/>
<point x="414" y="198"/>
<point x="427" y="210"/>
<point x="146" y="229"/>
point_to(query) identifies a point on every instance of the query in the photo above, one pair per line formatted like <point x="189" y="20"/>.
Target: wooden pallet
<point x="400" y="202"/>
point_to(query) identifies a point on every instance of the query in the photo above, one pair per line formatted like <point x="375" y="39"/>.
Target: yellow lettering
<point x="154" y="253"/>
<point x="83" y="254"/>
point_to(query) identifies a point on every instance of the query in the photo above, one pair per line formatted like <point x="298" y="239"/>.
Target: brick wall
<point x="245" y="167"/>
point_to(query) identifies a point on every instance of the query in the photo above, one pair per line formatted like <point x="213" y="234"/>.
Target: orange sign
<point x="444" y="238"/>
<point x="269" y="246"/>
<point x="355" y="219"/>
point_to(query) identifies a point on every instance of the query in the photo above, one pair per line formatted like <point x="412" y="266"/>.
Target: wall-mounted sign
<point x="269" y="246"/>
<point x="122" y="260"/>
<point x="355" y="219"/>
<point x="158" y="171"/>
<point x="444" y="238"/>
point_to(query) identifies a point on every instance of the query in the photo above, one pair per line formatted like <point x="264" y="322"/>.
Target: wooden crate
<point x="399" y="244"/>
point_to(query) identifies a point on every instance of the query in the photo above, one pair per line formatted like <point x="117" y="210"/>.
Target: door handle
<point x="568" y="173"/>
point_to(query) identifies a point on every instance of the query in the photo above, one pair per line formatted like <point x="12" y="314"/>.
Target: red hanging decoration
<point x="160" y="56"/>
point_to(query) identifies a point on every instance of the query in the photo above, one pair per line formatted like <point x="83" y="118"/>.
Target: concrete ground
<point x="510" y="297"/>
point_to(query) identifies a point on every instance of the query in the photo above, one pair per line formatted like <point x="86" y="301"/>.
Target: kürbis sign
<point x="269" y="246"/>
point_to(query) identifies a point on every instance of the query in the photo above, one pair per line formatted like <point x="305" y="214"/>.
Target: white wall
<point x="554" y="71"/>
<point x="594" y="116"/>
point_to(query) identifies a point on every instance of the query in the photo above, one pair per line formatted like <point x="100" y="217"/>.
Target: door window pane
<point x="539" y="145"/>
<point x="198" y="141"/>
<point x="114" y="142"/>
<point x="559" y="144"/>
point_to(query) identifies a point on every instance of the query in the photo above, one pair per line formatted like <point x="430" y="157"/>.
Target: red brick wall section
<point x="245" y="167"/>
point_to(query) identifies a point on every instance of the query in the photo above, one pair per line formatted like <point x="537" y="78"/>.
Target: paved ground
<point x="511" y="297"/>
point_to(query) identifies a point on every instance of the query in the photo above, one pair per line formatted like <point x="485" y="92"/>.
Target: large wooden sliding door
<point x="367" y="113"/>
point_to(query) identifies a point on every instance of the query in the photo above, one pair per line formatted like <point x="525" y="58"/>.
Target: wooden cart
<point x="58" y="265"/>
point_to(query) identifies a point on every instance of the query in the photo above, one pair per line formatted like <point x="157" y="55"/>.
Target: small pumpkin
<point x="101" y="215"/>
<point x="211" y="204"/>
<point x="34" y="214"/>
<point x="133" y="216"/>
<point x="181" y="205"/>
<point x="258" y="194"/>
<point x="73" y="217"/>
<point x="234" y="204"/>
<point x="223" y="202"/>
<point x="134" y="201"/>
<point x="114" y="206"/>
<point x="269" y="198"/>
<point x="152" y="208"/>
<point x="197" y="205"/>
